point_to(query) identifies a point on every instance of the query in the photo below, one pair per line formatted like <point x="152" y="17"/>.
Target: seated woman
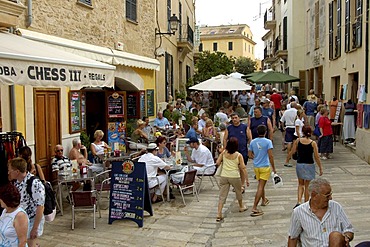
<point x="97" y="147"/>
<point x="13" y="220"/>
<point x="26" y="153"/>
<point x="163" y="151"/>
<point x="210" y="131"/>
<point x="138" y="136"/>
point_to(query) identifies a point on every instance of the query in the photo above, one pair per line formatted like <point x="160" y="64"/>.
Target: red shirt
<point x="276" y="98"/>
<point x="325" y="124"/>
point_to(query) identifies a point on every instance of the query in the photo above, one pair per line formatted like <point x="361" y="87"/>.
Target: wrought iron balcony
<point x="269" y="20"/>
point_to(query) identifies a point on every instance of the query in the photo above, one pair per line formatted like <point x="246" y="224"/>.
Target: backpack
<point x="50" y="200"/>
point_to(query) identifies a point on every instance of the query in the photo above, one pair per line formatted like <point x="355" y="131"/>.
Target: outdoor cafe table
<point x="70" y="178"/>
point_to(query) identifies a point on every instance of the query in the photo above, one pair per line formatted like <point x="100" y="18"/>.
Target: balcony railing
<point x="186" y="34"/>
<point x="269" y="20"/>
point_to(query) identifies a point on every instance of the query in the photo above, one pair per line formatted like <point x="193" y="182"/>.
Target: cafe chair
<point x="102" y="184"/>
<point x="188" y="183"/>
<point x="83" y="201"/>
<point x="211" y="177"/>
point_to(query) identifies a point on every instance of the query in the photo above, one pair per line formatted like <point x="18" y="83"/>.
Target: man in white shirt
<point x="221" y="116"/>
<point x="153" y="162"/>
<point x="201" y="157"/>
<point x="288" y="123"/>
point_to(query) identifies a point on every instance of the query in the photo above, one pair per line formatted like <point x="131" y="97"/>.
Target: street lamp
<point x="174" y="25"/>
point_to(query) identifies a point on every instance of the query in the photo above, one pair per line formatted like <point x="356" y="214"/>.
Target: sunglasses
<point x="60" y="150"/>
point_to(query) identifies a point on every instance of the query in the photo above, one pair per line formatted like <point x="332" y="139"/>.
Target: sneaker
<point x="288" y="165"/>
<point x="323" y="158"/>
<point x="187" y="192"/>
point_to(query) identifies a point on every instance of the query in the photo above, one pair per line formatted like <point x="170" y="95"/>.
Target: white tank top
<point x="8" y="236"/>
<point x="99" y="148"/>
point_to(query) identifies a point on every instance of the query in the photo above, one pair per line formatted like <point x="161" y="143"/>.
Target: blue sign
<point x="129" y="194"/>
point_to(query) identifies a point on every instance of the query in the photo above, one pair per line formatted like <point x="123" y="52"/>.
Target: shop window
<point x="131" y="10"/>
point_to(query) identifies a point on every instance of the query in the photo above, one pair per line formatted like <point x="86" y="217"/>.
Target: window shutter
<point x="331" y="30"/>
<point x="358" y="41"/>
<point x="338" y="42"/>
<point x="285" y="33"/>
<point x="347" y="27"/>
<point x="131" y="10"/>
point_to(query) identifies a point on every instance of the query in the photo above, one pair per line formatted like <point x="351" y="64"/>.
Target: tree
<point x="212" y="64"/>
<point x="245" y="65"/>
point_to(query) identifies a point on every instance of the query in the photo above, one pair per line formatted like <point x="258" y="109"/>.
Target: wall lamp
<point x="174" y="25"/>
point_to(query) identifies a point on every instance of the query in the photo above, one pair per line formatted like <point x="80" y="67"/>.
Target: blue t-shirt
<point x="240" y="132"/>
<point x="161" y="122"/>
<point x="255" y="122"/>
<point x="310" y="108"/>
<point x="191" y="133"/>
<point x="260" y="147"/>
<point x="268" y="112"/>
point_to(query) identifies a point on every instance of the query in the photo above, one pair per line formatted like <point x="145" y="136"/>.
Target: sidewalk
<point x="195" y="225"/>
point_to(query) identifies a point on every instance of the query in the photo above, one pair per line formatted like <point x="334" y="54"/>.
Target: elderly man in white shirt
<point x="153" y="162"/>
<point x="201" y="157"/>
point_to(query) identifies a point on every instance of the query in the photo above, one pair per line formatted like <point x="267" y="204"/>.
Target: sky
<point x="226" y="12"/>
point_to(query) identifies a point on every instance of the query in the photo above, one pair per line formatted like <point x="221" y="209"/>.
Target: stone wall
<point x="102" y="25"/>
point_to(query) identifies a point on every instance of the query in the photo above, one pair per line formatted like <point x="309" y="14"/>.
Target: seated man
<point x="200" y="156"/>
<point x="61" y="163"/>
<point x="320" y="221"/>
<point x="161" y="122"/>
<point x="75" y="154"/>
<point x="153" y="162"/>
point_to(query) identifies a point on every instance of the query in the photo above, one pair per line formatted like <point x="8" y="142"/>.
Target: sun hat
<point x="152" y="146"/>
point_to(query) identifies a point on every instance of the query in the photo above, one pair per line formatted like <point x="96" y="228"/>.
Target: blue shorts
<point x="289" y="135"/>
<point x="40" y="230"/>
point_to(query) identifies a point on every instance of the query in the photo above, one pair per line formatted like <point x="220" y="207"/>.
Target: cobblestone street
<point x="195" y="225"/>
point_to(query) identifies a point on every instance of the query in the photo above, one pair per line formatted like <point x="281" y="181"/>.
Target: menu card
<point x="129" y="194"/>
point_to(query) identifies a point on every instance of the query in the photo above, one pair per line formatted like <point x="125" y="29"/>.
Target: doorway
<point x="95" y="113"/>
<point x="353" y="87"/>
<point x="47" y="127"/>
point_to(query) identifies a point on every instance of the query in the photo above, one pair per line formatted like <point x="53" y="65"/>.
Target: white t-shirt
<point x="251" y="97"/>
<point x="152" y="164"/>
<point x="300" y="124"/>
<point x="203" y="156"/>
<point x="221" y="116"/>
<point x="289" y="117"/>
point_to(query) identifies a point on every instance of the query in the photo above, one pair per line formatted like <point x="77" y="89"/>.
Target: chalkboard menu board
<point x="115" y="105"/>
<point x="142" y="104"/>
<point x="133" y="105"/>
<point x="150" y="102"/>
<point x="77" y="111"/>
<point x="129" y="194"/>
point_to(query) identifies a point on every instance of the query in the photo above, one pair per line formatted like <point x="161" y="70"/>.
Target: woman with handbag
<point x="307" y="150"/>
<point x="232" y="171"/>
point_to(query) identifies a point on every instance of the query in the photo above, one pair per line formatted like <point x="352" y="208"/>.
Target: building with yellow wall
<point x="111" y="32"/>
<point x="234" y="40"/>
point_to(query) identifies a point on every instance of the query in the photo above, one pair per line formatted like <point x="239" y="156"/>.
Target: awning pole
<point x="12" y="108"/>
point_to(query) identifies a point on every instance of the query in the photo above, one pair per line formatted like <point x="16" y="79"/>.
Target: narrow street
<point x="195" y="225"/>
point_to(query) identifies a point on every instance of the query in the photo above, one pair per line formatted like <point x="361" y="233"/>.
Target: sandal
<point x="243" y="189"/>
<point x="243" y="209"/>
<point x="265" y="203"/>
<point x="256" y="213"/>
<point x="219" y="218"/>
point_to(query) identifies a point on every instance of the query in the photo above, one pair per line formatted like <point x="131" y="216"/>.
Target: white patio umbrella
<point x="221" y="83"/>
<point x="237" y="75"/>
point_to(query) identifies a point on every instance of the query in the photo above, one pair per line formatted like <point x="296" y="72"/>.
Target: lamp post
<point x="174" y="25"/>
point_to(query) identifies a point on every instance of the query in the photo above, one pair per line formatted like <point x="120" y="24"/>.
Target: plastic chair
<point x="211" y="176"/>
<point x="102" y="183"/>
<point x="187" y="183"/>
<point x="83" y="201"/>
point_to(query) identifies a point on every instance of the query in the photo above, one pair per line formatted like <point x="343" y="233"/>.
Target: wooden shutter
<point x="320" y="84"/>
<point x="302" y="83"/>
<point x="317" y="25"/>
<point x="331" y="27"/>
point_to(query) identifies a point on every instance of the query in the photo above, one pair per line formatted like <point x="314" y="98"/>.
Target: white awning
<point x="28" y="62"/>
<point x="102" y="54"/>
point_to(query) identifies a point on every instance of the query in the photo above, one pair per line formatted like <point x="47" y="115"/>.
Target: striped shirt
<point x="312" y="231"/>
